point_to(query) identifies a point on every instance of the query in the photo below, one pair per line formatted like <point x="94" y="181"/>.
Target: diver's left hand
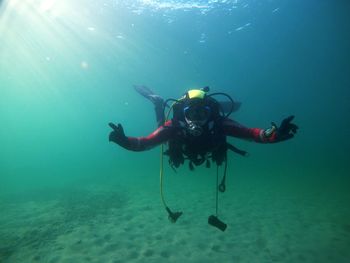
<point x="286" y="130"/>
<point x="117" y="135"/>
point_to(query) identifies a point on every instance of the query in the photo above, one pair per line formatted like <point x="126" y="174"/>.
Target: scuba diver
<point x="198" y="132"/>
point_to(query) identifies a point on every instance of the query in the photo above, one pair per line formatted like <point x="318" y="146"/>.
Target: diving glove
<point x="117" y="135"/>
<point x="285" y="132"/>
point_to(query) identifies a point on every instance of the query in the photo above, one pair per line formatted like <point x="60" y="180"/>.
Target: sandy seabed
<point x="113" y="224"/>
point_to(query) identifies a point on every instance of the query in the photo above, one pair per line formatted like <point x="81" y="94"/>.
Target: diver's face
<point x="196" y="117"/>
<point x="198" y="114"/>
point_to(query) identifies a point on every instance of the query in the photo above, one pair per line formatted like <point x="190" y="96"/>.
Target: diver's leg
<point x="159" y="109"/>
<point x="157" y="101"/>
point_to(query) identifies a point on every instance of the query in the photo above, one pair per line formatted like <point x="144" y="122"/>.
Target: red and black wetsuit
<point x="169" y="131"/>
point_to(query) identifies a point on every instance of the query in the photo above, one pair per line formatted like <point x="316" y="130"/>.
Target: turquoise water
<point x="67" y="69"/>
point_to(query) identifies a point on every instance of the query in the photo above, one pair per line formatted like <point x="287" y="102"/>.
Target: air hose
<point x="173" y="216"/>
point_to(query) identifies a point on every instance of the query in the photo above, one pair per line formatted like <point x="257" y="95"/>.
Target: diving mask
<point x="196" y="116"/>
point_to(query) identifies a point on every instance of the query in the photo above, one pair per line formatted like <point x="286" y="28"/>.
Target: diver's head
<point x="197" y="112"/>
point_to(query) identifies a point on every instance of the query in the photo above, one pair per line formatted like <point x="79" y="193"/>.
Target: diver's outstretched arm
<point x="274" y="134"/>
<point x="137" y="144"/>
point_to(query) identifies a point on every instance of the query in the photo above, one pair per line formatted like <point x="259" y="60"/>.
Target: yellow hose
<point x="161" y="176"/>
<point x="161" y="172"/>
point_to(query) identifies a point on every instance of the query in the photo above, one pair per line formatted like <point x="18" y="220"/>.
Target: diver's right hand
<point x="117" y="135"/>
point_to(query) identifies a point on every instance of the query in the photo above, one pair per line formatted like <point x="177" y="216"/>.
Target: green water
<point x="67" y="70"/>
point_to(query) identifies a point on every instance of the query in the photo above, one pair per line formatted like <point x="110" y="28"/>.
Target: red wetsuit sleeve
<point x="159" y="136"/>
<point x="235" y="129"/>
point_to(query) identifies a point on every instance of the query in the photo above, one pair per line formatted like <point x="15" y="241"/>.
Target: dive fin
<point x="236" y="150"/>
<point x="149" y="94"/>
<point x="144" y="91"/>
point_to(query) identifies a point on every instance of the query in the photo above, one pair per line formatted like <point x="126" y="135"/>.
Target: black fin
<point x="149" y="94"/>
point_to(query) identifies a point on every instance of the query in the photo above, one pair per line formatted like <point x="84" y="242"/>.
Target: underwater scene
<point x="97" y="165"/>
